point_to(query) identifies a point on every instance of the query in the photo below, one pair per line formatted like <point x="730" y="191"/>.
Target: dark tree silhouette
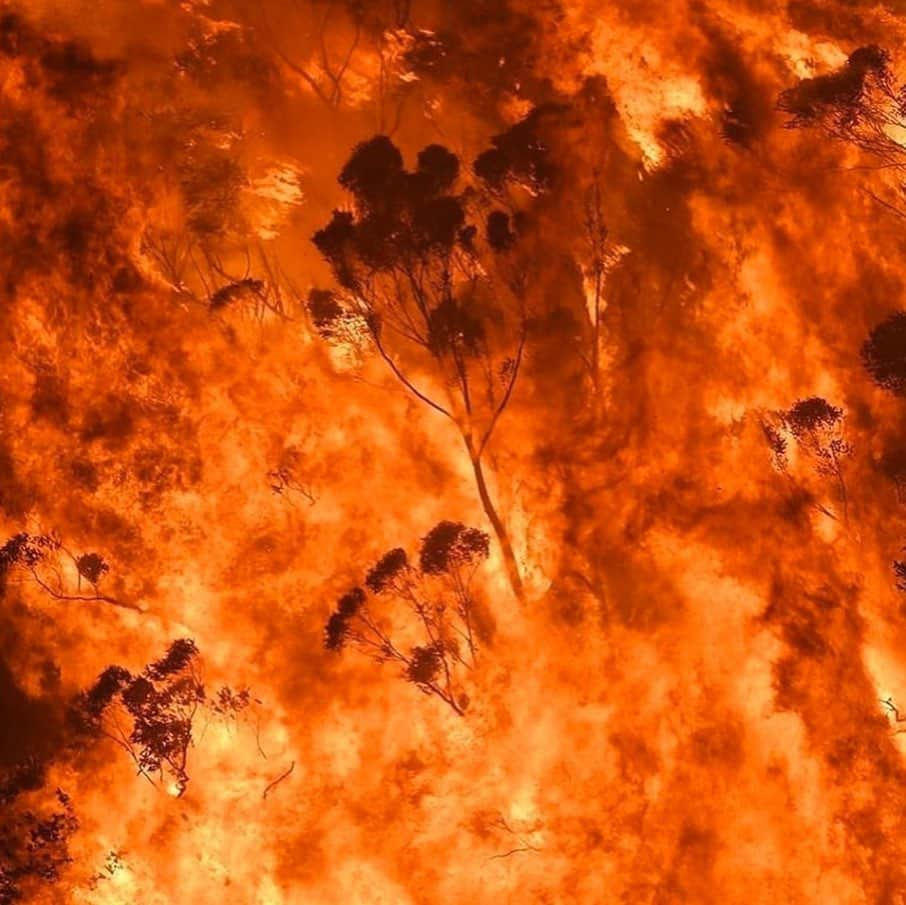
<point x="884" y="354"/>
<point x="91" y="567"/>
<point x="862" y="104"/>
<point x="899" y="570"/>
<point x="816" y="428"/>
<point x="41" y="557"/>
<point x="892" y="465"/>
<point x="810" y="415"/>
<point x="151" y="715"/>
<point x="429" y="603"/>
<point x="34" y="848"/>
<point x="288" y="480"/>
<point x="433" y="277"/>
<point x="520" y="155"/>
<point x="856" y="103"/>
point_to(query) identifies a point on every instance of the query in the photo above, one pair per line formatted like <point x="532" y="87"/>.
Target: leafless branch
<point x="99" y="598"/>
<point x="274" y="783"/>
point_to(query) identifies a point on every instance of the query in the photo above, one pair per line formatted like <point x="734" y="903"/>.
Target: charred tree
<point x="151" y="715"/>
<point x="428" y="602"/>
<point x="433" y="278"/>
<point x="34" y="847"/>
<point x="858" y="103"/>
<point x="55" y="570"/>
<point x="816" y="428"/>
<point x="884" y="354"/>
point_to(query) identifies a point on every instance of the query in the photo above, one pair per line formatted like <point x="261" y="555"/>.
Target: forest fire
<point x="452" y="452"/>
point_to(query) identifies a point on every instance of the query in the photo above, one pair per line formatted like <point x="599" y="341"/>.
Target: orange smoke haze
<point x="452" y="452"/>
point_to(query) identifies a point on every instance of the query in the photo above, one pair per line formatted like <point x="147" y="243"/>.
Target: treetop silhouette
<point x="429" y="267"/>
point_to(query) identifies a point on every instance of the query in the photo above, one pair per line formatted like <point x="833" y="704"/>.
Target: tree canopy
<point x="884" y="354"/>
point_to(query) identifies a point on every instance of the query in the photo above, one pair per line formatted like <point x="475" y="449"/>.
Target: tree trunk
<point x="503" y="536"/>
<point x="596" y="355"/>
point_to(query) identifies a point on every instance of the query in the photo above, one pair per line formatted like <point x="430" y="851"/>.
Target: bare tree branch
<point x="273" y="784"/>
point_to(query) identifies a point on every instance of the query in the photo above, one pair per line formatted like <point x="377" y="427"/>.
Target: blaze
<point x="452" y="452"/>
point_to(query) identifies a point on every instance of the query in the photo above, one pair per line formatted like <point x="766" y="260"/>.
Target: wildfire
<point x="452" y="452"/>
